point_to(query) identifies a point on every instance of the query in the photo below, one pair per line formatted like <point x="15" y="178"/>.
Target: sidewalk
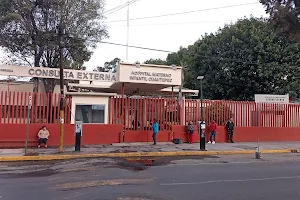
<point x="147" y="149"/>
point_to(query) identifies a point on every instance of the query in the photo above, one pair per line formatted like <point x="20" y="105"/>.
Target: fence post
<point x="28" y="122"/>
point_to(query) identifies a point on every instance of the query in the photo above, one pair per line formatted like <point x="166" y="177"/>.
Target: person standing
<point x="155" y="128"/>
<point x="212" y="132"/>
<point x="190" y="132"/>
<point x="43" y="136"/>
<point x="230" y="128"/>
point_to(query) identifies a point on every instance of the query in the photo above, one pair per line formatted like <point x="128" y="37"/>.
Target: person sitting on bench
<point x="43" y="136"/>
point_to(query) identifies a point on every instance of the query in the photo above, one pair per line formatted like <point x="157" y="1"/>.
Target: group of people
<point x="212" y="131"/>
<point x="44" y="134"/>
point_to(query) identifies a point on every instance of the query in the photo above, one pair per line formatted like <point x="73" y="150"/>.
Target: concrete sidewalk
<point x="147" y="149"/>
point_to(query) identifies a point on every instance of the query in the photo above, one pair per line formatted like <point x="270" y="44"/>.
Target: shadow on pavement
<point x="140" y="164"/>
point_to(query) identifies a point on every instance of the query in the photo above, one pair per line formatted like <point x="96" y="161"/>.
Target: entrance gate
<point x="136" y="114"/>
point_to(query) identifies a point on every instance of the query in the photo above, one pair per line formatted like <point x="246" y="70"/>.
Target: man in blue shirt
<point x="155" y="130"/>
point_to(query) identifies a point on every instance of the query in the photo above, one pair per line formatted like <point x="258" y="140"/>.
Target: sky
<point x="165" y="33"/>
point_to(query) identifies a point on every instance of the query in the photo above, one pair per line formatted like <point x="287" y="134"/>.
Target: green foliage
<point x="241" y="60"/>
<point x="284" y="16"/>
<point x="156" y="62"/>
<point x="29" y="30"/>
<point x="109" y="66"/>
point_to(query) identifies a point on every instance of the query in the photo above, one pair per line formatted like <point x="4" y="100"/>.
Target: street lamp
<point x="202" y="122"/>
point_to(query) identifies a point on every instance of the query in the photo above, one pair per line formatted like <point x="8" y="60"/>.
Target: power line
<point x="136" y="47"/>
<point x="186" y="12"/>
<point x="201" y="56"/>
<point x="180" y="23"/>
<point x="112" y="9"/>
<point x="120" y="7"/>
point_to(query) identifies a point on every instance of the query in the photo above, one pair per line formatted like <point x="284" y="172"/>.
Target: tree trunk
<point x="49" y="85"/>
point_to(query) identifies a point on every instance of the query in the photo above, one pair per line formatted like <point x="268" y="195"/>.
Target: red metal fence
<point x="138" y="113"/>
<point x="244" y="114"/>
<point x="45" y="108"/>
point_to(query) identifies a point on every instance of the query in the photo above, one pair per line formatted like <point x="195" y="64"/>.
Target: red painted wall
<point x="247" y="134"/>
<point x="13" y="135"/>
<point x="180" y="132"/>
<point x="266" y="134"/>
<point x="101" y="133"/>
<point x="146" y="136"/>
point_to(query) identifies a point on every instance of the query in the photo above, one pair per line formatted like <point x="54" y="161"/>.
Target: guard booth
<point x="140" y="93"/>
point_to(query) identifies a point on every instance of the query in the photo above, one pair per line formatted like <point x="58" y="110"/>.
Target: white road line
<point x="226" y="181"/>
<point x="219" y="163"/>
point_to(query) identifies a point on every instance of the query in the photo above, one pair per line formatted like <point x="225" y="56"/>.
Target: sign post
<point x="201" y="129"/>
<point x="78" y="134"/>
<point x="28" y="122"/>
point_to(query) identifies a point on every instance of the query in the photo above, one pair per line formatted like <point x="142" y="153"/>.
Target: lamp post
<point x="201" y="125"/>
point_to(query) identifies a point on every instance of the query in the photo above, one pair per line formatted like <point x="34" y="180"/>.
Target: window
<point x="90" y="114"/>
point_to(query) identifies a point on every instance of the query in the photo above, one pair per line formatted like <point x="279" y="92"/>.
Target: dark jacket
<point x="229" y="125"/>
<point x="190" y="129"/>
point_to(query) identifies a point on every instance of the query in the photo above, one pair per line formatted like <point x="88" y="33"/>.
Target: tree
<point x="109" y="66"/>
<point x="241" y="60"/>
<point x="246" y="58"/>
<point x="156" y="62"/>
<point x="29" y="31"/>
<point x="284" y="16"/>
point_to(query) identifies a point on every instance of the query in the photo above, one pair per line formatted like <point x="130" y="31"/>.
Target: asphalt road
<point x="219" y="178"/>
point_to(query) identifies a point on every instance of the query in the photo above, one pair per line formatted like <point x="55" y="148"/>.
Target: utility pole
<point x="127" y="42"/>
<point x="61" y="35"/>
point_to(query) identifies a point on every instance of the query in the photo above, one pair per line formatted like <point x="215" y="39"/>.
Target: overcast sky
<point x="166" y="33"/>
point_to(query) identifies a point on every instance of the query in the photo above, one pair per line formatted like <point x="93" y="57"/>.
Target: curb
<point x="139" y="154"/>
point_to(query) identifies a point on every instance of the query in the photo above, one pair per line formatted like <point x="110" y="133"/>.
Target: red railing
<point x="244" y="114"/>
<point x="137" y="113"/>
<point x="44" y="110"/>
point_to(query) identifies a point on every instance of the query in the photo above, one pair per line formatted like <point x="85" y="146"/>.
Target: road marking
<point x="226" y="181"/>
<point x="79" y="169"/>
<point x="98" y="183"/>
<point x="217" y="163"/>
<point x="76" y="195"/>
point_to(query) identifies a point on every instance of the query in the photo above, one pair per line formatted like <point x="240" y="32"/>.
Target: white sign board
<point x="147" y="74"/>
<point x="270" y="98"/>
<point x="45" y="72"/>
<point x="78" y="127"/>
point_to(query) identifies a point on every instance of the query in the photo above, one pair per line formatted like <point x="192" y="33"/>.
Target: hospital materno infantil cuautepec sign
<point x="150" y="77"/>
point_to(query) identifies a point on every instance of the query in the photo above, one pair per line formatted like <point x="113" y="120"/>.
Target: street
<point x="239" y="177"/>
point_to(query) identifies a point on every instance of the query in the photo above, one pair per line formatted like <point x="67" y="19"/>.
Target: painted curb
<point x="137" y="154"/>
